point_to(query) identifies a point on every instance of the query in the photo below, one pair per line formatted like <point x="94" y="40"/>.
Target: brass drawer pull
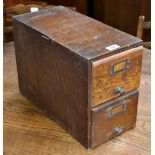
<point x="120" y="90"/>
<point x="119" y="66"/>
<point x="117" y="130"/>
<point x="118" y="108"/>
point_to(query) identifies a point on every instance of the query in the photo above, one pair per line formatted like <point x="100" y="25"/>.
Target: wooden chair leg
<point x="140" y="27"/>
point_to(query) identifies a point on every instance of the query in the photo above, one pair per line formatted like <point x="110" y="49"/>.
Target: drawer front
<point x="113" y="118"/>
<point x="115" y="75"/>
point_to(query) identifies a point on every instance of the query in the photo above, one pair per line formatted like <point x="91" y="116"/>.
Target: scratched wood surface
<point x="28" y="131"/>
<point x="84" y="36"/>
<point x="103" y="122"/>
<point x="104" y="83"/>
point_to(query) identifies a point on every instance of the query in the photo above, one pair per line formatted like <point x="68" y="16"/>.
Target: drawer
<point x="115" y="75"/>
<point x="113" y="118"/>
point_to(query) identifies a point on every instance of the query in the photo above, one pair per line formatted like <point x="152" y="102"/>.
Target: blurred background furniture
<point x="123" y="14"/>
<point x="11" y="9"/>
<point x="141" y="26"/>
<point x="18" y="7"/>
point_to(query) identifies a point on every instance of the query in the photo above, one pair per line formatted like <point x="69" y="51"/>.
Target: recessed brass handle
<point x="117" y="130"/>
<point x="120" y="90"/>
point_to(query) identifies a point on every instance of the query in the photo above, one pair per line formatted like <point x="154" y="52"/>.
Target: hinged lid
<point x="84" y="36"/>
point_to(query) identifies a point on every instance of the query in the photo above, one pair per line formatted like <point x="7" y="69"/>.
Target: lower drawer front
<point x="113" y="118"/>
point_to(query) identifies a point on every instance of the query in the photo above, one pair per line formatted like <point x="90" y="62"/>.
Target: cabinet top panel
<point x="86" y="37"/>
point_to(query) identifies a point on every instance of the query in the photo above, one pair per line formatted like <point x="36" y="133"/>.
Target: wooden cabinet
<point x="74" y="68"/>
<point x="123" y="14"/>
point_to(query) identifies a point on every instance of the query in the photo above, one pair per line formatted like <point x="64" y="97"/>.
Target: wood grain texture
<point x="103" y="122"/>
<point x="53" y="67"/>
<point x="28" y="131"/>
<point x="123" y="14"/>
<point x="53" y="79"/>
<point x="84" y="36"/>
<point x="103" y="81"/>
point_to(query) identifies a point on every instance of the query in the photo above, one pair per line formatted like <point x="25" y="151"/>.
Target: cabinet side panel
<point x="54" y="79"/>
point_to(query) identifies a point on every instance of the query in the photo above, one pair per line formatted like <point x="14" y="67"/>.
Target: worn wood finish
<point x="29" y="131"/>
<point x="55" y="49"/>
<point x="53" y="80"/>
<point x="105" y="119"/>
<point x="104" y="81"/>
<point x="84" y="36"/>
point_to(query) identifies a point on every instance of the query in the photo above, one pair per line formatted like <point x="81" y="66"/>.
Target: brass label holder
<point x="118" y="108"/>
<point x="119" y="66"/>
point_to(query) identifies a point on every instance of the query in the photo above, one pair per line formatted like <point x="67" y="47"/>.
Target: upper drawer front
<point x="115" y="75"/>
<point x="113" y="117"/>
